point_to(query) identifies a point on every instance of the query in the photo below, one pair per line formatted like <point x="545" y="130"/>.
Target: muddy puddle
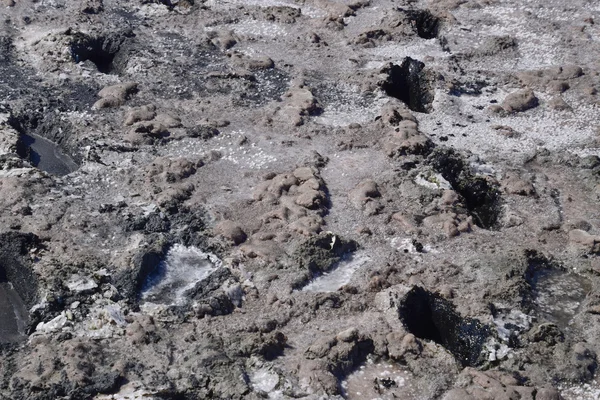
<point x="13" y="314"/>
<point x="558" y="295"/>
<point x="46" y="155"/>
<point x="179" y="272"/>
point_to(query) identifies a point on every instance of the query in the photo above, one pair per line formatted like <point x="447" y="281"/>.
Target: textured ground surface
<point x="308" y="199"/>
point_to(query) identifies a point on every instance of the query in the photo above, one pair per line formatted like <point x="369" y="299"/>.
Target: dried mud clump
<point x="319" y="254"/>
<point x="427" y="25"/>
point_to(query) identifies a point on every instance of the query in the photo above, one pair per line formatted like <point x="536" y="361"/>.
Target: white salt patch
<point x="103" y="321"/>
<point x="265" y="380"/>
<point x="152" y="10"/>
<point x="129" y="391"/>
<point x="593" y="151"/>
<point x="432" y="181"/>
<point x="53" y="325"/>
<point x="308" y="11"/>
<point x="18" y="172"/>
<point x="80" y="284"/>
<point x="249" y="156"/>
<point x="483" y="169"/>
<point x="406" y="245"/>
<point x="349" y="107"/>
<point x="181" y="270"/>
<point x="259" y="29"/>
<point x="496" y="351"/>
<point x="581" y="392"/>
<point x="332" y="117"/>
<point x="340" y="276"/>
<point x="510" y="321"/>
<point x="540" y="127"/>
<point x="536" y="49"/>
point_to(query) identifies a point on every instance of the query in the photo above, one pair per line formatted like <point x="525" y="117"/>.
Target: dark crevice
<point x="426" y="24"/>
<point x="102" y="51"/>
<point x="146" y="264"/>
<point x="408" y="82"/>
<point x="428" y="316"/>
<point x="6" y="50"/>
<point x="150" y="269"/>
<point x="555" y="194"/>
<point x="481" y="196"/>
<point x="25" y="151"/>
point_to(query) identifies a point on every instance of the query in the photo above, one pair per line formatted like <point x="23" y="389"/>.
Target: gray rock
<point x="520" y="101"/>
<point x="231" y="231"/>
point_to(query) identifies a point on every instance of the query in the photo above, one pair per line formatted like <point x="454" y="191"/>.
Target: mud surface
<point x="316" y="199"/>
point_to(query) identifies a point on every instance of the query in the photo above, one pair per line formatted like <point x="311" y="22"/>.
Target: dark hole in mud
<point x="408" y="83"/>
<point x="172" y="4"/>
<point x="556" y="294"/>
<point x="102" y="51"/>
<point x="482" y="198"/>
<point x="92" y="50"/>
<point x="148" y="269"/>
<point x="429" y="316"/>
<point x="45" y="155"/>
<point x="427" y="25"/>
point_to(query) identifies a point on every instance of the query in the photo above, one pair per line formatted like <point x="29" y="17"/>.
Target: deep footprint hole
<point x="428" y="316"/>
<point x="408" y="83"/>
<point x="93" y="51"/>
<point x="482" y="201"/>
<point x="426" y="24"/>
<point x="482" y="197"/>
<point x="103" y="51"/>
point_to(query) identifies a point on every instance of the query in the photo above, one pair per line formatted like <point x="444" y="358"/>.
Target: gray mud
<point x="316" y="199"/>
